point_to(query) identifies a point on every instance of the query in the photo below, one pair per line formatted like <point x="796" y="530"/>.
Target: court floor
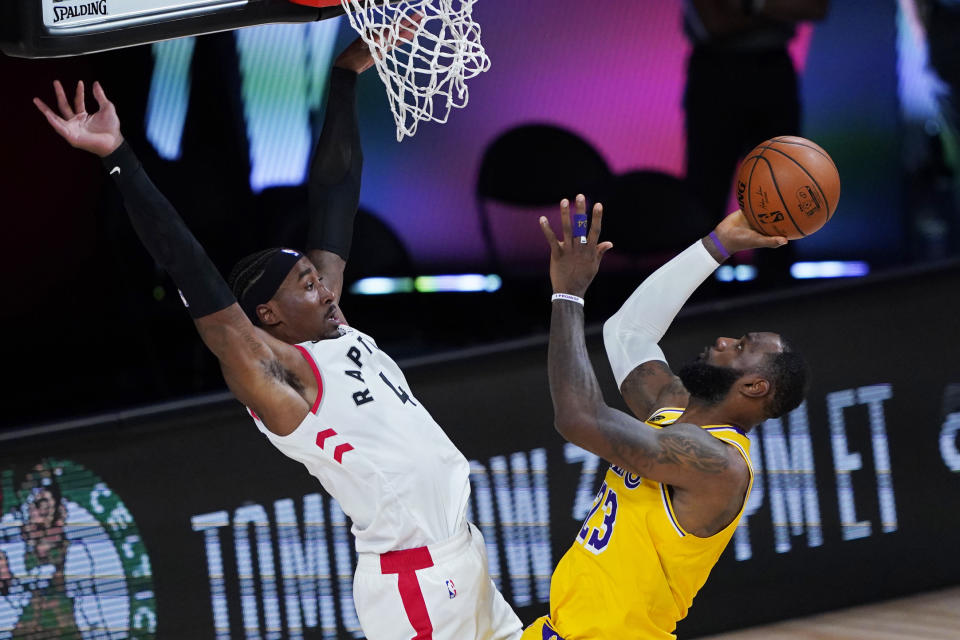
<point x="928" y="616"/>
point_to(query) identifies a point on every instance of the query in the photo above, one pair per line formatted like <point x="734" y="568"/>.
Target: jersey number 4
<point x="595" y="538"/>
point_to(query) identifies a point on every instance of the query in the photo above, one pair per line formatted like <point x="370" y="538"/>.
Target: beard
<point x="706" y="382"/>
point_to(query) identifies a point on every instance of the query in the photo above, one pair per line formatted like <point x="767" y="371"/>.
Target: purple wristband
<point x="716" y="242"/>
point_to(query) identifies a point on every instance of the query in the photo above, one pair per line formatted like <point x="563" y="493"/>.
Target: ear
<point x="267" y="314"/>
<point x="754" y="386"/>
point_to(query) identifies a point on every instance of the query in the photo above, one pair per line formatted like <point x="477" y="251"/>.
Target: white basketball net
<point x="444" y="53"/>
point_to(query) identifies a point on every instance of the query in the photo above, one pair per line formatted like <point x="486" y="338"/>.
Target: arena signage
<point x="71" y="557"/>
<point x="512" y="496"/>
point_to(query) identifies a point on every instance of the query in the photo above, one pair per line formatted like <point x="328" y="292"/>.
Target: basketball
<point x="788" y="186"/>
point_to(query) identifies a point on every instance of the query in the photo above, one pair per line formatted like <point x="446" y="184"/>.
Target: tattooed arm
<point x="681" y="455"/>
<point x="267" y="375"/>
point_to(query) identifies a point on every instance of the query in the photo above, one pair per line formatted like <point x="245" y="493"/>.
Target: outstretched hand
<point x="736" y="234"/>
<point x="358" y="57"/>
<point x="97" y="133"/>
<point x="574" y="264"/>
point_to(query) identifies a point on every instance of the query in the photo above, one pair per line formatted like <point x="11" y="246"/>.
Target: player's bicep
<point x="681" y="455"/>
<point x="274" y="394"/>
<point x="615" y="436"/>
<point x="267" y="375"/>
<point x="652" y="386"/>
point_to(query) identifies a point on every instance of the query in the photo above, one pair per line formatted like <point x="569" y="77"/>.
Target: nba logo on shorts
<point x="451" y="589"/>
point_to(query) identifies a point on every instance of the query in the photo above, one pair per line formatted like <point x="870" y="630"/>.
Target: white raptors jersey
<point x="376" y="449"/>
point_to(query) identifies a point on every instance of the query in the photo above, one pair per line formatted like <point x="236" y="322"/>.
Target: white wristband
<point x="567" y="296"/>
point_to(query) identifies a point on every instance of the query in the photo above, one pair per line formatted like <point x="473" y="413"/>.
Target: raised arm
<point x="334" y="183"/>
<point x="683" y="455"/>
<point x="265" y="374"/>
<point x="337" y="166"/>
<point x="631" y="335"/>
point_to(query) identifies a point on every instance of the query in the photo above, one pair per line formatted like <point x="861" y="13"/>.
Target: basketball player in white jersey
<point x="321" y="391"/>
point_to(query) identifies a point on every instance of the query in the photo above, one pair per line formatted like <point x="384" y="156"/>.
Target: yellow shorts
<point x="540" y="630"/>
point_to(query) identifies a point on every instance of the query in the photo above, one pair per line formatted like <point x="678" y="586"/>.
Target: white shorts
<point x="439" y="592"/>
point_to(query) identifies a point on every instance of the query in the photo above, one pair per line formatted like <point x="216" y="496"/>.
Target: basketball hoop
<point x="434" y="64"/>
<point x="419" y="62"/>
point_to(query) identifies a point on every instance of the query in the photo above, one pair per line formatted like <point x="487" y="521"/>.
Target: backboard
<point x="53" y="28"/>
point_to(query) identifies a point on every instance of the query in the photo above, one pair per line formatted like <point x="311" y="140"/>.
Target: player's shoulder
<point x="735" y="438"/>
<point x="721" y="434"/>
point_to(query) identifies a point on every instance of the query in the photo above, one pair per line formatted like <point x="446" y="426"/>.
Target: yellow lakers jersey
<point x="633" y="571"/>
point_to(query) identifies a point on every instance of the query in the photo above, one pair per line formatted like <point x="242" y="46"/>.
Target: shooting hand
<point x="736" y="234"/>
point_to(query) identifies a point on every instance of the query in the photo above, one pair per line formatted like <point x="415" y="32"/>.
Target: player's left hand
<point x="573" y="264"/>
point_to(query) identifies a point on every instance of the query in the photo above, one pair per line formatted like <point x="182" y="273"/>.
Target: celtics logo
<point x="72" y="563"/>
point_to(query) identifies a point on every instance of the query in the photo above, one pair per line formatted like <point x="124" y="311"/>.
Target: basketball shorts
<point x="438" y="592"/>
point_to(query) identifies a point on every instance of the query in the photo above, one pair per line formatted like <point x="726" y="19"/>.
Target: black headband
<point x="265" y="286"/>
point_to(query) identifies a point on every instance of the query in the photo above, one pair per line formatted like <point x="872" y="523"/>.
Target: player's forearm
<point x="631" y="335"/>
<point x="166" y="237"/>
<point x="577" y="399"/>
<point x="334" y="184"/>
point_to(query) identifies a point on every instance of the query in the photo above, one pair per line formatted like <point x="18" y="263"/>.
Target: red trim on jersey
<point x="318" y="3"/>
<point x="340" y="450"/>
<point x="323" y="435"/>
<point x="316" y="373"/>
<point x="405" y="563"/>
<point x="255" y="416"/>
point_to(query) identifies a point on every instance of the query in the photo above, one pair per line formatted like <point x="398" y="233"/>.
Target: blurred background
<point x="579" y="98"/>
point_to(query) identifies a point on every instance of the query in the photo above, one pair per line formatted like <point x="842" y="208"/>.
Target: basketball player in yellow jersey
<point x="681" y="474"/>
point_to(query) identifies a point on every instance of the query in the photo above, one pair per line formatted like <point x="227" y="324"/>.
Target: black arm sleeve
<point x="334" y="187"/>
<point x="166" y="237"/>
